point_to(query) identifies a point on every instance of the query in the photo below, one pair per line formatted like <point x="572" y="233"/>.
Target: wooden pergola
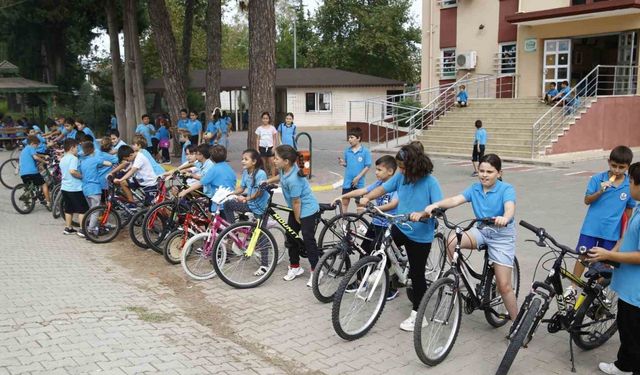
<point x="12" y="83"/>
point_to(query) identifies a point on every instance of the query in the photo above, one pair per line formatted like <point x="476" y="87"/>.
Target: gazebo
<point x="12" y="83"/>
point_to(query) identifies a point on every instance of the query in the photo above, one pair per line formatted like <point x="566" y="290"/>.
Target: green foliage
<point x="409" y="107"/>
<point x="94" y="109"/>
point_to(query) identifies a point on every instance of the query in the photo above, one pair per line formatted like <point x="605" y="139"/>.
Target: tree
<point x="291" y="14"/>
<point x="213" y="26"/>
<point x="134" y="84"/>
<point x="262" y="63"/>
<point x="187" y="37"/>
<point x="117" y="77"/>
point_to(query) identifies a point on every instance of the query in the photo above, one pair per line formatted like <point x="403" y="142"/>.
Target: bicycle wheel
<point x="523" y="331"/>
<point x="196" y="257"/>
<point x="56" y="202"/>
<point x="174" y="244"/>
<point x="279" y="237"/>
<point x="158" y="223"/>
<point x="10" y="173"/>
<point x="234" y="264"/>
<point x="354" y="314"/>
<point x="333" y="266"/>
<point x="597" y="319"/>
<point x="441" y="309"/>
<point x="15" y="153"/>
<point x="333" y="231"/>
<point x="135" y="230"/>
<point x="436" y="260"/>
<point x="491" y="294"/>
<point x="101" y="225"/>
<point x="23" y="199"/>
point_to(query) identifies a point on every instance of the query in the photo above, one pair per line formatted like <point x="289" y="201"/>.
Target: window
<point x="507" y="58"/>
<point x="318" y="101"/>
<point x="447" y="3"/>
<point x="448" y="63"/>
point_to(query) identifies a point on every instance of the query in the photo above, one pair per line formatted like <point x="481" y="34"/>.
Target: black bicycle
<point x="439" y="316"/>
<point x="590" y="322"/>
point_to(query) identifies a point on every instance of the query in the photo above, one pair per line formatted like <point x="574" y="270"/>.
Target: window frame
<point x="448" y="73"/>
<point x="316" y="103"/>
<point x="510" y="67"/>
<point x="448" y="4"/>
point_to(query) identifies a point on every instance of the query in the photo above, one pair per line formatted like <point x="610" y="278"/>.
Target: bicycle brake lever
<point x="538" y="242"/>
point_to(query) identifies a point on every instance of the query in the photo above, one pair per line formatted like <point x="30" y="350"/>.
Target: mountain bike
<point x="10" y="173"/>
<point x="25" y="196"/>
<point x="439" y="315"/>
<point x="135" y="225"/>
<point x="590" y="322"/>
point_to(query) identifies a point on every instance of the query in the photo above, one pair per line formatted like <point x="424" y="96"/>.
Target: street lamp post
<point x="295" y="54"/>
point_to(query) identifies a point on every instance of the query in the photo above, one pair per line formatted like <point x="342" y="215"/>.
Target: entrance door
<point x="556" y="63"/>
<point x="625" y="75"/>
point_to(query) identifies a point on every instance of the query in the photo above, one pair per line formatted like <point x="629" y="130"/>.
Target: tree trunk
<point x="117" y="78"/>
<point x="214" y="54"/>
<point x="262" y="63"/>
<point x="187" y="37"/>
<point x="134" y="60"/>
<point x="130" y="106"/>
<point x="172" y="73"/>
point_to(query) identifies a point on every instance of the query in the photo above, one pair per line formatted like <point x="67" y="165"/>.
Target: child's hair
<point x="478" y="124"/>
<point x="289" y="153"/>
<point x="463" y="87"/>
<point x="553" y="84"/>
<point x="355" y="132"/>
<point x="634" y="173"/>
<point x="140" y="141"/>
<point x="493" y="160"/>
<point x="87" y="137"/>
<point x="88" y="147"/>
<point x="70" y="121"/>
<point x="80" y="121"/>
<point x="289" y="114"/>
<point x="115" y="132"/>
<point x="388" y="162"/>
<point x="124" y="152"/>
<point x="69" y="144"/>
<point x="204" y="150"/>
<point x="81" y="137"/>
<point x="105" y="144"/>
<point x="192" y="112"/>
<point x="191" y="149"/>
<point x="145" y="116"/>
<point x="566" y="83"/>
<point x="266" y="113"/>
<point x="255" y="156"/>
<point x="184" y="110"/>
<point x="417" y="144"/>
<point x="621" y="155"/>
<point x="216" y="114"/>
<point x="218" y="153"/>
<point x="416" y="163"/>
<point x="33" y="140"/>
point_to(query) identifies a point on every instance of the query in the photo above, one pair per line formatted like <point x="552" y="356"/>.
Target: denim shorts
<point x="500" y="241"/>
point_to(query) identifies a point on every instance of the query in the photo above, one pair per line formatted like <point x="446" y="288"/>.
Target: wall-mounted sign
<point x="530" y="45"/>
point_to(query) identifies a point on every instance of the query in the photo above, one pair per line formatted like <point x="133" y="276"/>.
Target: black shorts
<point x="35" y="179"/>
<point x="193" y="139"/>
<point x="154" y="146"/>
<point x="74" y="202"/>
<point x="266" y="152"/>
<point x="348" y="190"/>
<point x="476" y="156"/>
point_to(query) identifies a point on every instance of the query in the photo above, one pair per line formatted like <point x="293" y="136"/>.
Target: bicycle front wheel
<point x="355" y="312"/>
<point x="135" y="230"/>
<point x="437" y="322"/>
<point x="56" y="202"/>
<point x="597" y="319"/>
<point x="174" y="244"/>
<point x="101" y="225"/>
<point x="334" y="231"/>
<point x="329" y="272"/>
<point x="518" y="339"/>
<point x="238" y="265"/>
<point x="10" y="173"/>
<point x="196" y="257"/>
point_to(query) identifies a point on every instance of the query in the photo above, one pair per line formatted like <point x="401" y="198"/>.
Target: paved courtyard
<point x="68" y="306"/>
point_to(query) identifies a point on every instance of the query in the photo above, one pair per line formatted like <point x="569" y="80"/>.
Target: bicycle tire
<point x="15" y="153"/>
<point x="590" y="304"/>
<point x="10" y="173"/>
<point x="527" y="322"/>
<point x="21" y="193"/>
<point x="155" y="237"/>
<point x="56" y="202"/>
<point x="222" y="253"/>
<point x="331" y="222"/>
<point x="110" y="229"/>
<point x="135" y="230"/>
<point x="453" y="307"/>
<point x="173" y="246"/>
<point x="435" y="264"/>
<point x="331" y="275"/>
<point x="352" y="277"/>
<point x="492" y="292"/>
<point x="193" y="247"/>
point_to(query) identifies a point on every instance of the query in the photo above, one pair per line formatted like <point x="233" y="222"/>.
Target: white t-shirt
<point x="144" y="174"/>
<point x="266" y="135"/>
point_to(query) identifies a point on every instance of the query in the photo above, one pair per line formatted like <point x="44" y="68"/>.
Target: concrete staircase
<point x="508" y="123"/>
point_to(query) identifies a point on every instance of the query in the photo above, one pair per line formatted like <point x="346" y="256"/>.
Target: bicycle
<point x="253" y="243"/>
<point x="10" y="173"/>
<point x="24" y="196"/>
<point x="195" y="222"/>
<point x="135" y="225"/>
<point x="440" y="309"/>
<point x="597" y="304"/>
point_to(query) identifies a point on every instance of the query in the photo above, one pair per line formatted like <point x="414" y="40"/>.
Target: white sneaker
<point x="293" y="273"/>
<point x="309" y="283"/>
<point x="610" y="368"/>
<point x="409" y="323"/>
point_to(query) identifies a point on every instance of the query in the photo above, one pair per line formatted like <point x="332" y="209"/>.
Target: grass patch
<point x="144" y="314"/>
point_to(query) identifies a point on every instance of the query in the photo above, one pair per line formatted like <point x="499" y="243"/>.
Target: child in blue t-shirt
<point x="91" y="169"/>
<point x="195" y="128"/>
<point x="479" y="144"/>
<point x="255" y="200"/>
<point x="28" y="167"/>
<point x="490" y="198"/>
<point x="626" y="283"/>
<point x="164" y="142"/>
<point x="357" y="160"/>
<point x="213" y="128"/>
<point x="608" y="197"/>
<point x="287" y="131"/>
<point x="551" y="93"/>
<point x="462" y="98"/>
<point x="299" y="197"/>
<point x="416" y="187"/>
<point x="71" y="187"/>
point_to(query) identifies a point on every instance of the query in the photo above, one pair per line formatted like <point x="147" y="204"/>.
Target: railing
<point x="603" y="80"/>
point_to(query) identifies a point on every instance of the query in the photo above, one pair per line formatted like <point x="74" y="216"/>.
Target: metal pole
<point x="295" y="43"/>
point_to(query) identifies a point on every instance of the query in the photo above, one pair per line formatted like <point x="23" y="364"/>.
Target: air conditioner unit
<point x="466" y="60"/>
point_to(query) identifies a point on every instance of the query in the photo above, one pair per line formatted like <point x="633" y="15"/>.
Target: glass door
<point x="625" y="75"/>
<point x="556" y="63"/>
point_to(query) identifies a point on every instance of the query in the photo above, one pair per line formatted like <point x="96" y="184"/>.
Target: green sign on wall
<point x="530" y="45"/>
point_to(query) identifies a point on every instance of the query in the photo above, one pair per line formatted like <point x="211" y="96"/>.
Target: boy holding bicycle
<point x="29" y="168"/>
<point x="626" y="283"/>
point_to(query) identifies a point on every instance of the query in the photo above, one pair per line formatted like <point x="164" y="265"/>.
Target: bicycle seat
<point x="326" y="207"/>
<point x="483" y="247"/>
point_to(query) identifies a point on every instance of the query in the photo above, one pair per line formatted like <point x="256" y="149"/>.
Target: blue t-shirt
<point x="194" y="126"/>
<point x="462" y="96"/>
<point x="203" y="168"/>
<point x="114" y="123"/>
<point x="89" y="168"/>
<point x="163" y="133"/>
<point x="491" y="203"/>
<point x="220" y="175"/>
<point x="27" y="162"/>
<point x="69" y="183"/>
<point x="119" y="144"/>
<point x="356" y="162"/>
<point x="552" y="92"/>
<point x="184" y="151"/>
<point x="604" y="215"/>
<point x="154" y="134"/>
<point x="104" y="171"/>
<point x="415" y="197"/>
<point x="70" y="134"/>
<point x="626" y="278"/>
<point x="157" y="168"/>
<point x="252" y="184"/>
<point x="88" y="131"/>
<point x="145" y="131"/>
<point x="565" y="91"/>
<point x="481" y="137"/>
<point x="294" y="186"/>
<point x="182" y="123"/>
<point x="381" y="200"/>
<point x="287" y="134"/>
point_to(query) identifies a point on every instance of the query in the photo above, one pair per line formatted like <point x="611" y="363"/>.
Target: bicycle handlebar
<point x="440" y="212"/>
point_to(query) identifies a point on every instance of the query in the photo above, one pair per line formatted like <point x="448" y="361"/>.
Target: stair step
<point x="495" y="134"/>
<point x="471" y="115"/>
<point x="489" y="124"/>
<point x="458" y="151"/>
<point x="467" y="146"/>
